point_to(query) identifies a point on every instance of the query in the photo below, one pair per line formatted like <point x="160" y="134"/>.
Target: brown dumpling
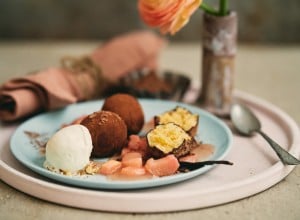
<point x="169" y="139"/>
<point x="108" y="132"/>
<point x="128" y="108"/>
<point x="180" y="116"/>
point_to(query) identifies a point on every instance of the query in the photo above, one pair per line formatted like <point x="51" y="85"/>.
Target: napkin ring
<point x="85" y="65"/>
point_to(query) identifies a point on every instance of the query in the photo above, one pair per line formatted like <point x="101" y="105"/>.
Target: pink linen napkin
<point x="79" y="78"/>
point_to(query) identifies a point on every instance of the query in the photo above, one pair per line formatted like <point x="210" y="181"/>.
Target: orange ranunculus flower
<point x="168" y="15"/>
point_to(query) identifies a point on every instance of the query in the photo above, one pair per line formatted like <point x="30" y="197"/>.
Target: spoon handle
<point x="284" y="156"/>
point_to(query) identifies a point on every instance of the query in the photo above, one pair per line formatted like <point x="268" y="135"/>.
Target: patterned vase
<point x="218" y="63"/>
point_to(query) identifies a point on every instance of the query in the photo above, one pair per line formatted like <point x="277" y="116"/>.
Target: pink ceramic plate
<point x="255" y="169"/>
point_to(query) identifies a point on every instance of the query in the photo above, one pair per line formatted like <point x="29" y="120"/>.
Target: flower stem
<point x="223" y="8"/>
<point x="208" y="9"/>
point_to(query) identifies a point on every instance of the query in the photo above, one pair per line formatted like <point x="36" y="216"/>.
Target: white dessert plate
<point x="211" y="130"/>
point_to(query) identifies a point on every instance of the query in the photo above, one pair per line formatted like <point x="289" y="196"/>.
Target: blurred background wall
<point x="260" y="21"/>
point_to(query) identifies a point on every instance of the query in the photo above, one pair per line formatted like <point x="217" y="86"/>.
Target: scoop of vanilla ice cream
<point x="69" y="149"/>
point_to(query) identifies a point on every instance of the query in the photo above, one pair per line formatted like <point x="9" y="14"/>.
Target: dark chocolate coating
<point x="128" y="108"/>
<point x="108" y="132"/>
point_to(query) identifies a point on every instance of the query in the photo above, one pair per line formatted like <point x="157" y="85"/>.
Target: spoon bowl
<point x="244" y="120"/>
<point x="247" y="124"/>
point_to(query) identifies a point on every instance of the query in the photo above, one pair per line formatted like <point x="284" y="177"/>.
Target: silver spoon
<point x="247" y="123"/>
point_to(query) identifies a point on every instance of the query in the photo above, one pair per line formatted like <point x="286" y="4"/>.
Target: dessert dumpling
<point x="180" y="116"/>
<point x="108" y="131"/>
<point x="128" y="108"/>
<point x="169" y="138"/>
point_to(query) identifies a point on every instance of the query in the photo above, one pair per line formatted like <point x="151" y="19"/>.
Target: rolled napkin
<point x="79" y="79"/>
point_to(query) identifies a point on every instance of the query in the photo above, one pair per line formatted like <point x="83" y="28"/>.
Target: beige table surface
<point x="270" y="72"/>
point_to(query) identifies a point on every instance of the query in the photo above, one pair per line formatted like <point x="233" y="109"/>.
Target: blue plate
<point x="211" y="130"/>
